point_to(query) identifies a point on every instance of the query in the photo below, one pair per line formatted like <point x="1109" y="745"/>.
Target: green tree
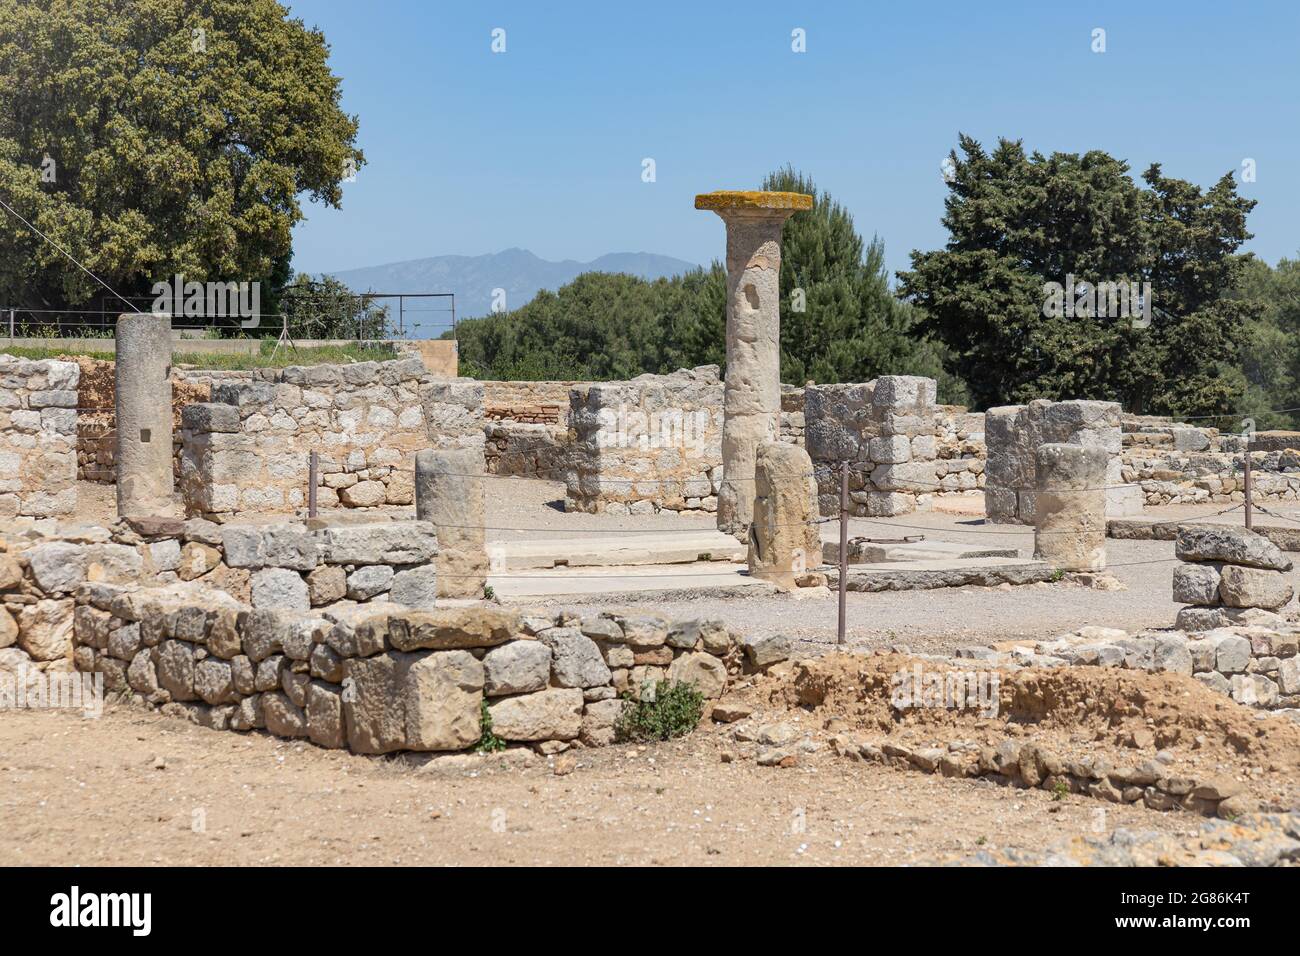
<point x="1017" y="222"/>
<point x="1271" y="353"/>
<point x="160" y="137"/>
<point x="325" y="308"/>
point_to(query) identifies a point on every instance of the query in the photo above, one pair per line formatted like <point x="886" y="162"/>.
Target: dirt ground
<point x="137" y="788"/>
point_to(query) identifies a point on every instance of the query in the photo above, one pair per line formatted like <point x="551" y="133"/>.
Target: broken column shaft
<point x="449" y="493"/>
<point x="143" y="407"/>
<point x="752" y="393"/>
<point x="1070" y="507"/>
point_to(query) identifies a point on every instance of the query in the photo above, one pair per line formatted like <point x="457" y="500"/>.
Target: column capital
<point x="753" y="202"/>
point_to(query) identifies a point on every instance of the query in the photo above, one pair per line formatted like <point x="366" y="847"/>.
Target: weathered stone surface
<point x="214" y="681"/>
<point x="1230" y="545"/>
<point x="263" y="633"/>
<point x="519" y="667"/>
<point x="1070" y="507"/>
<point x="325" y="664"/>
<point x="554" y="714"/>
<point x="143" y="410"/>
<point x="454" y="627"/>
<point x="1196" y="583"/>
<point x="577" y="661"/>
<point x="783" y="540"/>
<point x="421" y="701"/>
<point x="703" y="670"/>
<point x="1254" y="587"/>
<point x="283" y="717"/>
<point x="644" y="633"/>
<point x="289" y="546"/>
<point x="57" y="567"/>
<point x="196" y="560"/>
<point x="1232" y="655"/>
<point x="325" y="725"/>
<point x="598" y="722"/>
<point x="393" y="542"/>
<point x="449" y="492"/>
<point x="369" y="581"/>
<point x="124" y="641"/>
<point x="765" y="649"/>
<point x="45" y="629"/>
<point x="416" y="587"/>
<point x="327" y="584"/>
<point x="280" y="589"/>
<point x="176" y="669"/>
<point x="141" y="676"/>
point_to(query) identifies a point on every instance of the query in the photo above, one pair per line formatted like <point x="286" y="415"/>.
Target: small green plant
<point x="488" y="742"/>
<point x="673" y="710"/>
<point x="489" y="592"/>
<point x="1057" y="575"/>
<point x="981" y="841"/>
<point x="1059" y="790"/>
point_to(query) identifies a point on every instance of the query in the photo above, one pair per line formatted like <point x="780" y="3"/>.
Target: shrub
<point x="488" y="742"/>
<point x="673" y="711"/>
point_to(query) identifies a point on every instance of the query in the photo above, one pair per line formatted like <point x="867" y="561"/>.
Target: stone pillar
<point x="143" y="405"/>
<point x="783" y="543"/>
<point x="752" y="394"/>
<point x="1070" y="506"/>
<point x="449" y="493"/>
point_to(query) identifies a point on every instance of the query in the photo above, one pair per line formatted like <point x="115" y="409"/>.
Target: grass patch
<point x="229" y="361"/>
<point x="673" y="711"/>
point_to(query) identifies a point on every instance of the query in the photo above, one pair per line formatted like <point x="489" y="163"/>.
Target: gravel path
<point x="935" y="621"/>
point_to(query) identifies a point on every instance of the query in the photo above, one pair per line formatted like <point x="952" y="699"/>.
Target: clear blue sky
<point x="541" y="146"/>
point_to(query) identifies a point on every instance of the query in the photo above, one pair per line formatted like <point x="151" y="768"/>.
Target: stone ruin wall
<point x="38" y="433"/>
<point x="1013" y="434"/>
<point x="247" y="451"/>
<point x="382" y="680"/>
<point x="97" y="421"/>
<point x="1175" y="463"/>
<point x="885" y="430"/>
<point x="650" y="444"/>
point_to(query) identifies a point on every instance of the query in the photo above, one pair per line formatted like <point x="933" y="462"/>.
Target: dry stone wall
<point x="38" y="434"/>
<point x="1228" y="575"/>
<point x="247" y="451"/>
<point x="381" y="680"/>
<point x="650" y="444"/>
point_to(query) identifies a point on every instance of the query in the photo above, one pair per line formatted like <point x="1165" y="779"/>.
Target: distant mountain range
<point x="473" y="278"/>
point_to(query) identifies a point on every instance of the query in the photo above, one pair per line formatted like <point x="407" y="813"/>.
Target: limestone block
<point x="1070" y="518"/>
<point x="783" y="541"/>
<point x="553" y="714"/>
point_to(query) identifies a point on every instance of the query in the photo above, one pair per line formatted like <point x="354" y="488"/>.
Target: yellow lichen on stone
<point x="752" y="199"/>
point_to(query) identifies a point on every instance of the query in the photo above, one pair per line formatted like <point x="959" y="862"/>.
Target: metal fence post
<point x="1247" y="487"/>
<point x="313" y="470"/>
<point x="844" y="550"/>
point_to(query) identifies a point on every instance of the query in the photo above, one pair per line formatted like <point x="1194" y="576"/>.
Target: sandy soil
<point x="128" y="788"/>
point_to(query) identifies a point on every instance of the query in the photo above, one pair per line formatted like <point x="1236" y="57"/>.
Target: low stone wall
<point x="1226" y="574"/>
<point x="651" y="444"/>
<point x="959" y="448"/>
<point x="792" y="419"/>
<point x="247" y="451"/>
<point x="884" y="430"/>
<point x="38" y="432"/>
<point x="387" y="680"/>
<point x="1013" y="434"/>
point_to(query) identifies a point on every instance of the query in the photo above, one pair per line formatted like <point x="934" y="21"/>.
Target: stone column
<point x="783" y="542"/>
<point x="752" y="394"/>
<point x="1070" y="506"/>
<point x="449" y="493"/>
<point x="143" y="406"/>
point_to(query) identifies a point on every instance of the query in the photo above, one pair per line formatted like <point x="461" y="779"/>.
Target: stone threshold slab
<point x="612" y="550"/>
<point x="927" y="575"/>
<point x="607" y="582"/>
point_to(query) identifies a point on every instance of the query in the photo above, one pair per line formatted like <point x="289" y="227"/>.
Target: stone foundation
<point x="1228" y="575"/>
<point x="387" y="680"/>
